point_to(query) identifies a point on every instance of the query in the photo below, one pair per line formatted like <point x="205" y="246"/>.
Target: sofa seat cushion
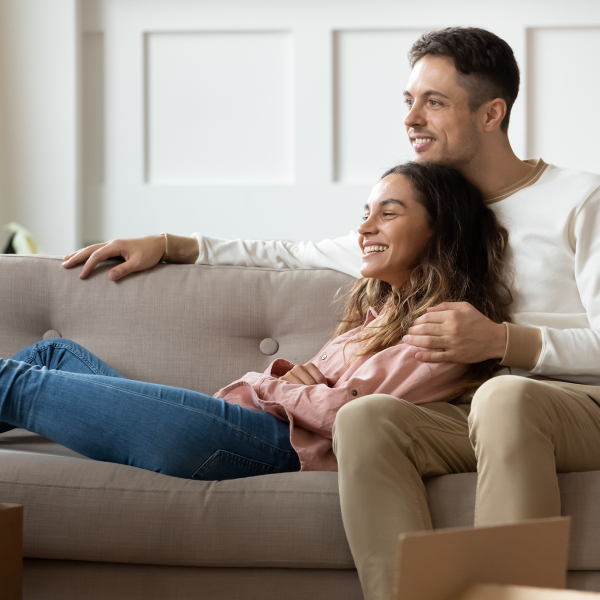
<point x="80" y="509"/>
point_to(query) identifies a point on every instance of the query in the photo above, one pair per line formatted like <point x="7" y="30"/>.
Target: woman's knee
<point x="363" y="411"/>
<point x="362" y="422"/>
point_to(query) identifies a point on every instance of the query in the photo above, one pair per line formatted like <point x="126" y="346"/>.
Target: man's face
<point x="439" y="124"/>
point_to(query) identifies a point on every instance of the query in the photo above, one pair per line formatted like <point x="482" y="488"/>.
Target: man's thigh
<point x="508" y="412"/>
<point x="575" y="416"/>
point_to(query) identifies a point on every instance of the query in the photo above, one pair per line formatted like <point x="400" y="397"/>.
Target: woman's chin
<point x="368" y="271"/>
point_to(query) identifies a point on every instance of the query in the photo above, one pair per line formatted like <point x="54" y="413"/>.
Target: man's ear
<point x="493" y="112"/>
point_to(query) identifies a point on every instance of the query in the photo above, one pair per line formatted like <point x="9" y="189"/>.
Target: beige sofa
<point x="95" y="530"/>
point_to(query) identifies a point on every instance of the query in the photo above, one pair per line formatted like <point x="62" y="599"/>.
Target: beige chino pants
<point x="519" y="433"/>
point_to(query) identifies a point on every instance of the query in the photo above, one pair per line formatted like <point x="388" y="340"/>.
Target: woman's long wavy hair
<point x="462" y="262"/>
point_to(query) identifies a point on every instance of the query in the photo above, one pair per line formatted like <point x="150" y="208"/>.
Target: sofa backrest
<point x="191" y="326"/>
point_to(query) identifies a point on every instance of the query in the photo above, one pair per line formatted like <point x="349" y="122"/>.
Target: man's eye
<point x="365" y="217"/>
<point x="408" y="102"/>
<point x="435" y="103"/>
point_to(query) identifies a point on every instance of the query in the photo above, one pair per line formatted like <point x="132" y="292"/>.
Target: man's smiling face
<point x="440" y="125"/>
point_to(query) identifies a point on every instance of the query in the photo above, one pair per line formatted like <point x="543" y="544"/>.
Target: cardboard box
<point x="11" y="552"/>
<point x="439" y="565"/>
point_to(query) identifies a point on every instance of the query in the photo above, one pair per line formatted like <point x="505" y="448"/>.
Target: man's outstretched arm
<point x="139" y="254"/>
<point x="340" y="254"/>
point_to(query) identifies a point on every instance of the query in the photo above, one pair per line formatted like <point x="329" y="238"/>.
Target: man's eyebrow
<point x="428" y="93"/>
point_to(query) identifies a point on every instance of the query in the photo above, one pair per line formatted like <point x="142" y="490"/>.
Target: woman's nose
<point x="367" y="226"/>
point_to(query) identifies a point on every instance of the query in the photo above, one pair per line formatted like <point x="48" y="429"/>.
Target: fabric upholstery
<point x="291" y="520"/>
<point x="72" y="580"/>
<point x="191" y="326"/>
<point x="139" y="533"/>
<point x="76" y="580"/>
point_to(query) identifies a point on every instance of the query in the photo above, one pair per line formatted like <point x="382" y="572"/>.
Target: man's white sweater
<point x="553" y="220"/>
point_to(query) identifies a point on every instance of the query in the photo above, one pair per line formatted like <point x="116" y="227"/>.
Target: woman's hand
<point x="306" y="374"/>
<point x="139" y="254"/>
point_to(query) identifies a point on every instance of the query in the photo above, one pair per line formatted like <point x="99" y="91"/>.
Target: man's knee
<point x="504" y="409"/>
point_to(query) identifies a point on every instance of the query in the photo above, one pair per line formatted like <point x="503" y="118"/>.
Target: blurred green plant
<point x="20" y="241"/>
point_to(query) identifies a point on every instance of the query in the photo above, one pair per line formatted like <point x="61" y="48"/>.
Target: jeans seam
<point x="234" y="457"/>
<point x="67" y="347"/>
<point x="202" y="412"/>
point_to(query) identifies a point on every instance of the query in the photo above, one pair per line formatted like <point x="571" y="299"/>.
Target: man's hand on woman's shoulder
<point x="139" y="254"/>
<point x="456" y="332"/>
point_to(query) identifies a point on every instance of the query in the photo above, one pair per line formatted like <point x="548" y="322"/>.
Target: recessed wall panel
<point x="219" y="107"/>
<point x="564" y="86"/>
<point x="371" y="71"/>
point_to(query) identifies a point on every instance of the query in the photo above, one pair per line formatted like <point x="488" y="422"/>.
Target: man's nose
<point x="415" y="116"/>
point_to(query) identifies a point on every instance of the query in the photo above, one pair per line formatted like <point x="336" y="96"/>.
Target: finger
<point x="426" y="329"/>
<point x="81" y="255"/>
<point x="315" y="373"/>
<point x="436" y="317"/>
<point x="425" y="341"/>
<point x="445" y="306"/>
<point x="434" y="357"/>
<point x="290" y="378"/>
<point x="306" y="378"/>
<point x="129" y="266"/>
<point x="97" y="257"/>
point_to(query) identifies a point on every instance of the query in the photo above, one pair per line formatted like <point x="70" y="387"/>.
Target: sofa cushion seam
<point x="154" y="491"/>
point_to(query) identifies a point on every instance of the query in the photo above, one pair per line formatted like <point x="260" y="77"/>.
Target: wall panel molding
<point x="219" y="107"/>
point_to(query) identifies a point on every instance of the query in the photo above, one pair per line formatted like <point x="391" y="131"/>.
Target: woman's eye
<point x="365" y="217"/>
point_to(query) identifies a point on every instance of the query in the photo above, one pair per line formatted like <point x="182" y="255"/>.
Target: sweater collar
<point x="539" y="167"/>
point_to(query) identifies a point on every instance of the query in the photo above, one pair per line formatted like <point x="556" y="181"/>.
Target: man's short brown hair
<point x="486" y="63"/>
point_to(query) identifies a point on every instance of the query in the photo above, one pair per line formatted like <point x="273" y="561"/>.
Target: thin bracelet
<point x="164" y="257"/>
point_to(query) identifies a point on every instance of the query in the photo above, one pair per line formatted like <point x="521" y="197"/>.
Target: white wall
<point x="39" y="134"/>
<point x="250" y="118"/>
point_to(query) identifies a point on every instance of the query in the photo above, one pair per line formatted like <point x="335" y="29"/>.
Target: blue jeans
<point x="59" y="390"/>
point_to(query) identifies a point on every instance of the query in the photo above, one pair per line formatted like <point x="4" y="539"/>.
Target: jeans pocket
<point x="227" y="465"/>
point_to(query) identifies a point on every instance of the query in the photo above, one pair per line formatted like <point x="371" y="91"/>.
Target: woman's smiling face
<point x="395" y="231"/>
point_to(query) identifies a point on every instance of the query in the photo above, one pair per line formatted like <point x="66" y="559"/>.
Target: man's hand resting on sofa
<point x="306" y="374"/>
<point x="139" y="254"/>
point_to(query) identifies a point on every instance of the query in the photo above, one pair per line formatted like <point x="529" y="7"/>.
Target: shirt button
<point x="324" y="357"/>
<point x="354" y="393"/>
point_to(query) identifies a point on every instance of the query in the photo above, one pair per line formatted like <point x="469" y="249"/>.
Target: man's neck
<point x="495" y="168"/>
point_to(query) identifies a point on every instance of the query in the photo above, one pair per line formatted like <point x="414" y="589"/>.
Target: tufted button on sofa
<point x="95" y="530"/>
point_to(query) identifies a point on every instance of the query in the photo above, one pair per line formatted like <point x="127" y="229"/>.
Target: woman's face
<point x="394" y="233"/>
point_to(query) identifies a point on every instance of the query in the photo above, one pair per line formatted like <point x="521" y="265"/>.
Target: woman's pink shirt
<point x="311" y="409"/>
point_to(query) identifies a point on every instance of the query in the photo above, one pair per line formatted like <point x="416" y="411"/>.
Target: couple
<point x="428" y="321"/>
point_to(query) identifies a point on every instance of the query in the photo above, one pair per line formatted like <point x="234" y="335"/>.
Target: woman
<point x="427" y="238"/>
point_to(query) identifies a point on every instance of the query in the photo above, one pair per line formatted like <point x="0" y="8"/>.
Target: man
<point x="520" y="430"/>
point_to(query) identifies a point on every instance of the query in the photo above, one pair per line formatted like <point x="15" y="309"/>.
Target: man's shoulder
<point x="563" y="183"/>
<point x="569" y="178"/>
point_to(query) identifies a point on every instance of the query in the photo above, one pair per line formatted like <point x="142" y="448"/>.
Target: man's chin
<point x="426" y="156"/>
<point x="434" y="157"/>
